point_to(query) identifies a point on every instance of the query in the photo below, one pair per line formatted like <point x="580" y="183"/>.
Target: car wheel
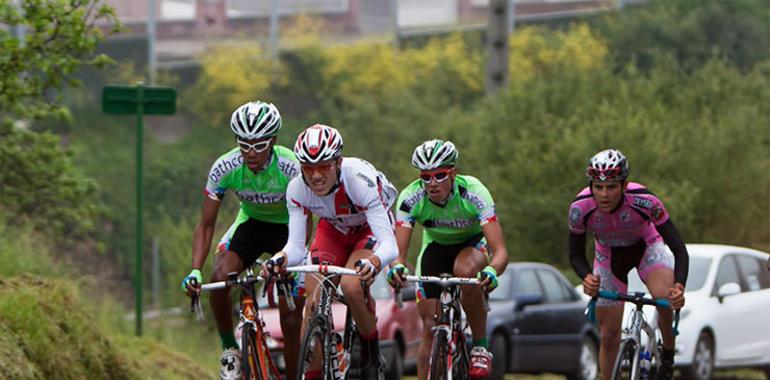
<point x="588" y="362"/>
<point x="702" y="367"/>
<point x="497" y="347"/>
<point x="394" y="369"/>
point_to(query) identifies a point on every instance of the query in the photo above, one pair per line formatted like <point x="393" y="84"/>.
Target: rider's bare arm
<point x="204" y="231"/>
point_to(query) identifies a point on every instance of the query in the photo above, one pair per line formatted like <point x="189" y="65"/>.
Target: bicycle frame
<point x="336" y="360"/>
<point x="448" y="318"/>
<point x="258" y="362"/>
<point x="633" y="333"/>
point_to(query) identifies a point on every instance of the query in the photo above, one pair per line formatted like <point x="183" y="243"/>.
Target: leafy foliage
<point x="58" y="38"/>
<point x="692" y="31"/>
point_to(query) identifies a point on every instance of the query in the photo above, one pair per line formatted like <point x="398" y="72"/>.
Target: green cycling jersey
<point x="468" y="207"/>
<point x="262" y="195"/>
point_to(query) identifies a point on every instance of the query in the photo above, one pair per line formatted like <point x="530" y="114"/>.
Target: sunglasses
<point x="259" y="146"/>
<point x="308" y="170"/>
<point x="438" y="176"/>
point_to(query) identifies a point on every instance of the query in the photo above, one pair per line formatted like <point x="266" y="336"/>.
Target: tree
<point x="58" y="37"/>
<point x="37" y="179"/>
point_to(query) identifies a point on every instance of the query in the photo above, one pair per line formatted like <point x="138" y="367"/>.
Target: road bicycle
<point x="635" y="360"/>
<point x="336" y="349"/>
<point x="450" y="358"/>
<point x="256" y="360"/>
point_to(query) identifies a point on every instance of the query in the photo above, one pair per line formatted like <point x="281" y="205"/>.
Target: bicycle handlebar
<point x="443" y="282"/>
<point x="635" y="298"/>
<point x="323" y="269"/>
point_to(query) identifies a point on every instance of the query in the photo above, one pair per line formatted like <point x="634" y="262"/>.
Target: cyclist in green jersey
<point x="461" y="235"/>
<point x="258" y="172"/>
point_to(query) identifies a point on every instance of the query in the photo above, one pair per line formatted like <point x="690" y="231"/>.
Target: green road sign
<point x="120" y="99"/>
<point x="139" y="100"/>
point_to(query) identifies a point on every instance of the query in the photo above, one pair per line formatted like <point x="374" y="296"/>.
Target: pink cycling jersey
<point x="629" y="232"/>
<point x="634" y="220"/>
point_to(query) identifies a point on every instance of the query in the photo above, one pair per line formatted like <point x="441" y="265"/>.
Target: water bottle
<point x="645" y="364"/>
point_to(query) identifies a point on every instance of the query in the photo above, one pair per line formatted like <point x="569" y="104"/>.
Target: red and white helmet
<point x="318" y="143"/>
<point x="607" y="165"/>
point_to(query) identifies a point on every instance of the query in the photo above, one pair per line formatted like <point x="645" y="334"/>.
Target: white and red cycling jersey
<point x="354" y="215"/>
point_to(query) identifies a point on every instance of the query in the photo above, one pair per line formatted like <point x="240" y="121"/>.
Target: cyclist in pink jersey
<point x="631" y="228"/>
<point x="352" y="199"/>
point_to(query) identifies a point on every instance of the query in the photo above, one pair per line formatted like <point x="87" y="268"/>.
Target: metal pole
<point x="274" y="28"/>
<point x="156" y="273"/>
<point x="139" y="201"/>
<point x="394" y="17"/>
<point x="511" y="16"/>
<point x="497" y="45"/>
<point x="151" y="35"/>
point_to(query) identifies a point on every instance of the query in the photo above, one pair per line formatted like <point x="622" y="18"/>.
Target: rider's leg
<point x="659" y="281"/>
<point x="291" y="323"/>
<point x="220" y="301"/>
<point x="427" y="309"/>
<point x="354" y="295"/>
<point x="610" y="318"/>
<point x="467" y="264"/>
<point x="656" y="269"/>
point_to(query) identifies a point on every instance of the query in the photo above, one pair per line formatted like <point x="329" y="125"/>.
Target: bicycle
<point x="256" y="360"/>
<point x="635" y="362"/>
<point x="449" y="357"/>
<point x="336" y="348"/>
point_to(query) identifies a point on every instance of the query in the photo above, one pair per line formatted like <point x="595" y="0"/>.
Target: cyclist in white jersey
<point x="352" y="200"/>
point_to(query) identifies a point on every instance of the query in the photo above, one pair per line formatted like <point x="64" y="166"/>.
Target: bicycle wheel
<point x="626" y="364"/>
<point x="249" y="353"/>
<point x="312" y="344"/>
<point x="439" y="354"/>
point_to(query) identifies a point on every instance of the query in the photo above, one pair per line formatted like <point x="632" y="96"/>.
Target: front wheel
<point x="256" y="361"/>
<point x="438" y="356"/>
<point x="312" y="345"/>
<point x="626" y="366"/>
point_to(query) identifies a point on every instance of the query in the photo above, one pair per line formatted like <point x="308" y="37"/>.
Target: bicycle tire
<point x="249" y="362"/>
<point x="626" y="363"/>
<point x="438" y="356"/>
<point x="312" y="341"/>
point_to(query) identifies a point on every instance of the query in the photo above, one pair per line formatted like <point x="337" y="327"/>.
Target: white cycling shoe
<point x="231" y="364"/>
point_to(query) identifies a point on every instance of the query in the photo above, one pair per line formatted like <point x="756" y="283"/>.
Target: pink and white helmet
<point x="607" y="165"/>
<point x="318" y="143"/>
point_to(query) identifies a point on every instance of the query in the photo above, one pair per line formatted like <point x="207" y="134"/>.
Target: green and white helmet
<point x="255" y="120"/>
<point x="434" y="154"/>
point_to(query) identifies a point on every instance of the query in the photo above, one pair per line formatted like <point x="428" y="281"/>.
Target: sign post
<point x="139" y="100"/>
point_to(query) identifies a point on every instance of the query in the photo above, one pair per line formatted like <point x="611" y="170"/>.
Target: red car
<point x="400" y="329"/>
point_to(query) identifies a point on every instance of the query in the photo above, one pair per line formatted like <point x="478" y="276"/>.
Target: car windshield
<point x="696" y="276"/>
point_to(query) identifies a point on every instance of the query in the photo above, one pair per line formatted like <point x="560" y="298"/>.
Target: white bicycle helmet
<point x="434" y="154"/>
<point x="318" y="143"/>
<point x="255" y="120"/>
<point x="607" y="165"/>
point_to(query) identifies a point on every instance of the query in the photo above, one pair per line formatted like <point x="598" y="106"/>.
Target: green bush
<point x="692" y="31"/>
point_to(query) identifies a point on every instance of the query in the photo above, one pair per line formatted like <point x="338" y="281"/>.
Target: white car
<point x="724" y="323"/>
